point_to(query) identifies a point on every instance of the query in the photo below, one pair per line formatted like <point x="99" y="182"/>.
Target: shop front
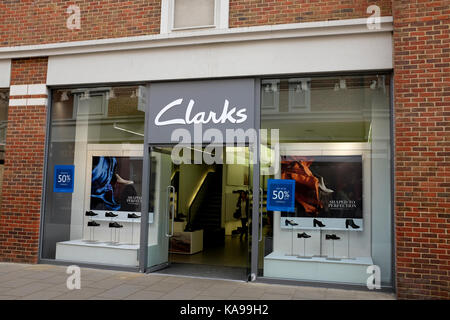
<point x="285" y="178"/>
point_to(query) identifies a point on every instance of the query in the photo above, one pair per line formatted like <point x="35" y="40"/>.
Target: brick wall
<point x="44" y="21"/>
<point x="422" y="116"/>
<point x="28" y="71"/>
<point x="24" y="162"/>
<point x="244" y="13"/>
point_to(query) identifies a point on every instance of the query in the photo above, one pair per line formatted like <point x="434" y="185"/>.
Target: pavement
<point x="48" y="282"/>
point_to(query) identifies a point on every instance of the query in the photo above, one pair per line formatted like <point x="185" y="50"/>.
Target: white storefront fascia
<point x="5" y="73"/>
<point x="313" y="47"/>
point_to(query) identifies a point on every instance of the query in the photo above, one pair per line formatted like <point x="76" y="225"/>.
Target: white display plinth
<point x="317" y="268"/>
<point x="186" y="242"/>
<point x="98" y="253"/>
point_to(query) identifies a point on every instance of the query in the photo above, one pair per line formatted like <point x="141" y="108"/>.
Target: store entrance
<point x="203" y="210"/>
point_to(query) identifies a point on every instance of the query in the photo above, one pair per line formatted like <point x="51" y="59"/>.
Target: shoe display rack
<point x="108" y="238"/>
<point x="311" y="249"/>
<point x="111" y="220"/>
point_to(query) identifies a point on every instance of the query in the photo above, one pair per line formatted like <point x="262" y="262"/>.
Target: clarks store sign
<point x="218" y="104"/>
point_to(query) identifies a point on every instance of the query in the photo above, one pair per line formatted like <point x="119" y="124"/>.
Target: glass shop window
<point x="334" y="144"/>
<point x="94" y="175"/>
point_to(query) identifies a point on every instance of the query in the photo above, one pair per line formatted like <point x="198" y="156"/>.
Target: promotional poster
<point x="116" y="184"/>
<point x="325" y="186"/>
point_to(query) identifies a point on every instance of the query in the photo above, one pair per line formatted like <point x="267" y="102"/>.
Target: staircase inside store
<point x="208" y="216"/>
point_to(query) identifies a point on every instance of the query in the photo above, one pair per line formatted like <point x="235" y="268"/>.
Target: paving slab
<point x="16" y="283"/>
<point x="162" y="286"/>
<point x="181" y="294"/>
<point x="219" y="290"/>
<point x="121" y="292"/>
<point x="29" y="289"/>
<point x="274" y="296"/>
<point x="145" y="295"/>
<point x="39" y="282"/>
<point x="82" y="294"/>
<point x="42" y="295"/>
<point x="249" y="292"/>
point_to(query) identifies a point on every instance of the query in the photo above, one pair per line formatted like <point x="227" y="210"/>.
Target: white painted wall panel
<point x="5" y="73"/>
<point x="368" y="51"/>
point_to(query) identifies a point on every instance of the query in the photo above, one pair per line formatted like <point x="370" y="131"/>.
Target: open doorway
<point x="209" y="210"/>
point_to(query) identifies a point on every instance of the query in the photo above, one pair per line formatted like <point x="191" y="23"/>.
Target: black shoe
<point x="110" y="215"/>
<point x="331" y="237"/>
<point x="91" y="214"/>
<point x="290" y="222"/>
<point x="93" y="224"/>
<point x="351" y="223"/>
<point x="318" y="223"/>
<point x="133" y="216"/>
<point x="115" y="225"/>
<point x="303" y="235"/>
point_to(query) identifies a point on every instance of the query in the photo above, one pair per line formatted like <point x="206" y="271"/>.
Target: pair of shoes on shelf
<point x="303" y="235"/>
<point x="318" y="223"/>
<point x="91" y="214"/>
<point x="111" y="215"/>
<point x="351" y="223"/>
<point x="115" y="225"/>
<point x="111" y="224"/>
<point x="331" y="237"/>
<point x="290" y="223"/>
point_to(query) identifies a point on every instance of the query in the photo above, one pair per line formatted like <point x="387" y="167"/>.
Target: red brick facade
<point x="45" y="21"/>
<point x="245" y="13"/>
<point x="29" y="71"/>
<point x="24" y="163"/>
<point x="422" y="125"/>
<point x="421" y="107"/>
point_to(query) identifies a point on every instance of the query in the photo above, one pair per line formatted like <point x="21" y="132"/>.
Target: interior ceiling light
<point x="64" y="96"/>
<point x="135" y="94"/>
<point x="343" y="84"/>
<point x="274" y="87"/>
<point x="373" y="84"/>
<point x="336" y="86"/>
<point x="305" y="85"/>
<point x="267" y="88"/>
<point x="85" y="95"/>
<point x="111" y="94"/>
<point x="298" y="88"/>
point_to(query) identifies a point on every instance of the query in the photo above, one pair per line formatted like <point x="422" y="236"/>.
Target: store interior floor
<point x="225" y="262"/>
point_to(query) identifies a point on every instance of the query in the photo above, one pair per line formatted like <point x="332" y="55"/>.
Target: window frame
<point x="221" y="11"/>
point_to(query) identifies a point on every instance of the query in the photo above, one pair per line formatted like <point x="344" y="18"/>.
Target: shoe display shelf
<point x="353" y="271"/>
<point x="330" y="224"/>
<point x="105" y="245"/>
<point x="98" y="253"/>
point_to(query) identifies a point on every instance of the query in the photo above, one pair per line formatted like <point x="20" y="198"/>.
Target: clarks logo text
<point x="233" y="115"/>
